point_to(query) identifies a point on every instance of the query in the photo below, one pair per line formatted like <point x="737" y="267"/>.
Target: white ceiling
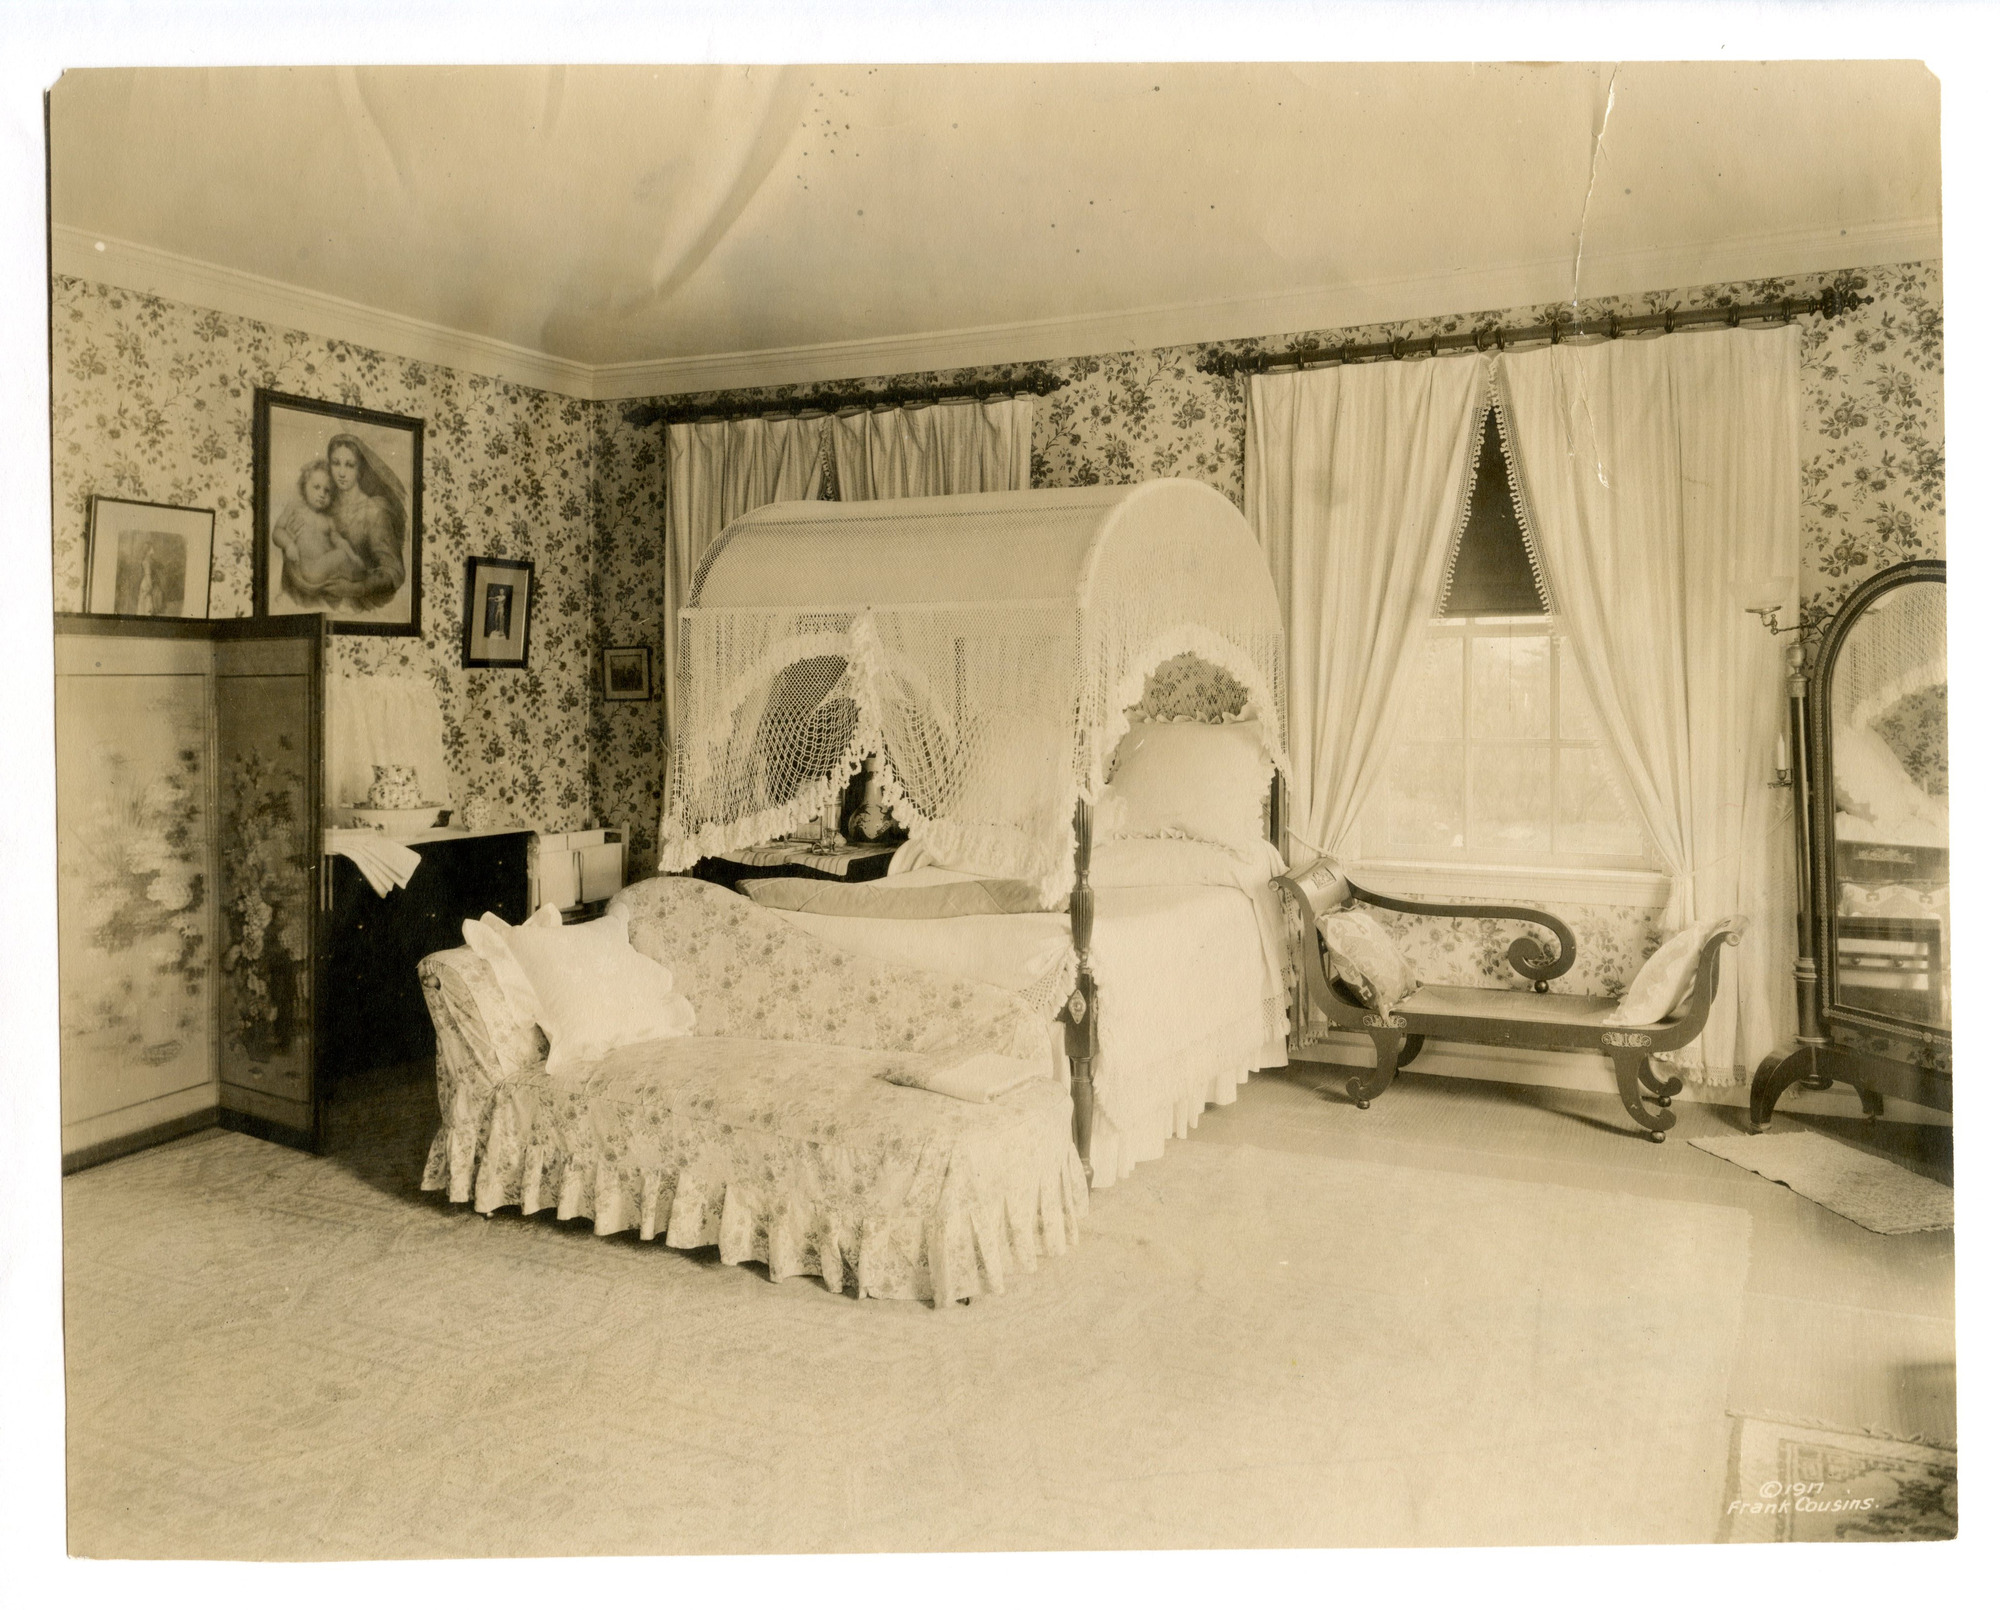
<point x="675" y="227"/>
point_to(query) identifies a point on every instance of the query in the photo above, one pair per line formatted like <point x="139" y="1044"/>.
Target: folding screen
<point x="187" y="833"/>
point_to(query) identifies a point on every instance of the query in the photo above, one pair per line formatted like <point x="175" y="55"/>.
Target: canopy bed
<point x="1874" y="852"/>
<point x="1002" y="654"/>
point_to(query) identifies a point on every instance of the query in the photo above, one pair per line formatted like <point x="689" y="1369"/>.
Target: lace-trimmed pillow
<point x="1360" y="953"/>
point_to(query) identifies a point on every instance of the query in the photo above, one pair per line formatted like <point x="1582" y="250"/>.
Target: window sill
<point x="1580" y="886"/>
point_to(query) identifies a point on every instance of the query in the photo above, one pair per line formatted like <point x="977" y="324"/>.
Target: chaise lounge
<point x="772" y="1131"/>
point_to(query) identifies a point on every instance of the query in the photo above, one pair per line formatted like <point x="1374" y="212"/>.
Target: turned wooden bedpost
<point x="1080" y="1016"/>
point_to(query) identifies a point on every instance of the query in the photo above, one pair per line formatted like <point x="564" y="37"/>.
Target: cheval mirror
<point x="1874" y="969"/>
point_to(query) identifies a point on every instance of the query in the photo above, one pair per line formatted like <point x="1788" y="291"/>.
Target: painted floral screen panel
<point x="135" y="906"/>
<point x="267" y="872"/>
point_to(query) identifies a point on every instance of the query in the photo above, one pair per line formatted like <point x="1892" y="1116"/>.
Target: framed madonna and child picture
<point x="338" y="515"/>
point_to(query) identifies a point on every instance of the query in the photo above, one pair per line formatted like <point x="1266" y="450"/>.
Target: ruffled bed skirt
<point x="797" y="1157"/>
<point x="1178" y="1089"/>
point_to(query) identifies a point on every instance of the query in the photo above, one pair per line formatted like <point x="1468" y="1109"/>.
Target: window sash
<point x="1465" y="630"/>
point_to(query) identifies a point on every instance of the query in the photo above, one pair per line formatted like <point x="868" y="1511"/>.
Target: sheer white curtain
<point x="1355" y="482"/>
<point x="716" y="470"/>
<point x="1662" y="480"/>
<point x="926" y="452"/>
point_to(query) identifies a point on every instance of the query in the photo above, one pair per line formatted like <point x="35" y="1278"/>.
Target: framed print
<point x="628" y="672"/>
<point x="338" y="517"/>
<point x="147" y="559"/>
<point x="498" y="595"/>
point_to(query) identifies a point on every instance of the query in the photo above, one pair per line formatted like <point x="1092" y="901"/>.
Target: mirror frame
<point x="1902" y="1039"/>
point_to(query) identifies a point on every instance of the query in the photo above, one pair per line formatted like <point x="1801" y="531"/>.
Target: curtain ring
<point x="1667" y="321"/>
<point x="1434" y="346"/>
<point x="1735" y="317"/>
<point x="1611" y="327"/>
<point x="1555" y="332"/>
<point x="1396" y="347"/>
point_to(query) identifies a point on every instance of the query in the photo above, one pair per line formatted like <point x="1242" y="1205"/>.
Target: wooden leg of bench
<point x="1666" y="1089"/>
<point x="1364" y="1088"/>
<point x="1412" y="1046"/>
<point x="1633" y="1080"/>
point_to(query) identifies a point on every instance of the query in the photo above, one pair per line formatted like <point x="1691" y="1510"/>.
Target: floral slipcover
<point x="769" y="1133"/>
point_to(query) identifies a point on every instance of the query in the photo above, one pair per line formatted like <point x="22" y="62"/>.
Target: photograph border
<point x="90" y="557"/>
<point x="472" y="662"/>
<point x="260" y="502"/>
<point x="645" y="650"/>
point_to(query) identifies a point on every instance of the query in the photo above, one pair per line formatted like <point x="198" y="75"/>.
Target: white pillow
<point x="1667" y="980"/>
<point x="487" y="939"/>
<point x="1191" y="780"/>
<point x="593" y="991"/>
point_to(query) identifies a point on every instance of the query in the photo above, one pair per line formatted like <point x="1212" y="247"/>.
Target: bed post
<point x="1080" y="1016"/>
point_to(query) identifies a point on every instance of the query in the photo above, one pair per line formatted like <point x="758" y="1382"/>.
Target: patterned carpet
<point x="1809" y="1484"/>
<point x="279" y="1356"/>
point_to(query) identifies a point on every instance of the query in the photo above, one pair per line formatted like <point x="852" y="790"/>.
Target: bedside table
<point x="795" y="858"/>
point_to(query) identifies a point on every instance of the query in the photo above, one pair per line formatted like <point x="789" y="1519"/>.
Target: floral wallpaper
<point x="152" y="399"/>
<point x="627" y="523"/>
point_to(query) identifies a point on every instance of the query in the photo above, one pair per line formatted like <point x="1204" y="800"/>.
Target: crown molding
<point x="83" y="255"/>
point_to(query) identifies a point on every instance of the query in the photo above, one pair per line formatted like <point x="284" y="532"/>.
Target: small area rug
<point x="1873" y="1192"/>
<point x="273" y="1355"/>
<point x="1804" y="1484"/>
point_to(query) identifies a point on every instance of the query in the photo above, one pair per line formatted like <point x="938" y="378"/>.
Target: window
<point x="1499" y="760"/>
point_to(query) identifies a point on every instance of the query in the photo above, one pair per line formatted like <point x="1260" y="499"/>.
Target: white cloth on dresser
<point x="383" y="862"/>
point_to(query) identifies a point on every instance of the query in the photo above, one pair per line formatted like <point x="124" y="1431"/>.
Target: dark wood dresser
<point x="371" y="1007"/>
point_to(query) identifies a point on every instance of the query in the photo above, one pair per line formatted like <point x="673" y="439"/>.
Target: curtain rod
<point x="1037" y="382"/>
<point x="1829" y="304"/>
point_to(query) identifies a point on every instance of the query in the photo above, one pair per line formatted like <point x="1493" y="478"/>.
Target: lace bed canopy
<point x="989" y="647"/>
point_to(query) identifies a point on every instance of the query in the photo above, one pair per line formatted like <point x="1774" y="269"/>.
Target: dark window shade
<point x="1492" y="575"/>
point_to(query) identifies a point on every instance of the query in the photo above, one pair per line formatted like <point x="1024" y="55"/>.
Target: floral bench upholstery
<point x="771" y="1133"/>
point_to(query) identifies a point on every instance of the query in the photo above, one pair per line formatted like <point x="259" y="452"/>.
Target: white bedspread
<point x="1190" y="979"/>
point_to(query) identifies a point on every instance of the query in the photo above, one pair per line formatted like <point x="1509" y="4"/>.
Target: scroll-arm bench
<point x="1538" y="1021"/>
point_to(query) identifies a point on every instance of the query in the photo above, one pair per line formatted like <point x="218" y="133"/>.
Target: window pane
<point x="1437" y="693"/>
<point x="1421" y="798"/>
<point x="1588" y="819"/>
<point x="1509" y="804"/>
<point x="1510" y="687"/>
<point x="1578" y="719"/>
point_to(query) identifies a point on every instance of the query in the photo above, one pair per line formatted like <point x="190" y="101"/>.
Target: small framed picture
<point x="147" y="559"/>
<point x="498" y="595"/>
<point x="338" y="515"/>
<point x="628" y="672"/>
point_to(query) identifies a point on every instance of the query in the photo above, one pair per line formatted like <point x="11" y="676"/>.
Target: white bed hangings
<point x="986" y="645"/>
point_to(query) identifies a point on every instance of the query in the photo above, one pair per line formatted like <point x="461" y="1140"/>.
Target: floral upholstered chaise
<point x="773" y="1131"/>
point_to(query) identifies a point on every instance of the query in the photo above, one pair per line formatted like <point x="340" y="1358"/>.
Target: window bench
<point x="1526" y="1019"/>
